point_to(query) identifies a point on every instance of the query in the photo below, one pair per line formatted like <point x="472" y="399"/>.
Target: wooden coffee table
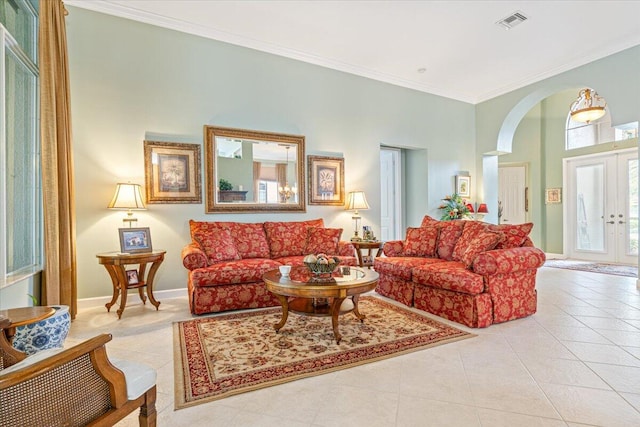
<point x="303" y="293"/>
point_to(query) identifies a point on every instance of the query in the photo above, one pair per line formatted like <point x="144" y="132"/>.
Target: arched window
<point x="580" y="134"/>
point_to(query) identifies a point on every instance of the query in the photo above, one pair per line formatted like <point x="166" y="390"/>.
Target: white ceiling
<point x="467" y="56"/>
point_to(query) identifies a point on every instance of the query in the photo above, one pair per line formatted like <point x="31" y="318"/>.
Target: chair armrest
<point x="502" y="261"/>
<point x="393" y="248"/>
<point x="94" y="348"/>
<point x="193" y="257"/>
<point x="346" y="248"/>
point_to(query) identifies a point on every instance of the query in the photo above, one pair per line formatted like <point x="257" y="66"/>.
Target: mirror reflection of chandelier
<point x="588" y="107"/>
<point x="287" y="191"/>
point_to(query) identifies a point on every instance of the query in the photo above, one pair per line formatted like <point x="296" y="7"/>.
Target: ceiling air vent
<point x="512" y="20"/>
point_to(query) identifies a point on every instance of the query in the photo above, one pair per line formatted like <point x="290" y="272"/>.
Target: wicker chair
<point x="77" y="386"/>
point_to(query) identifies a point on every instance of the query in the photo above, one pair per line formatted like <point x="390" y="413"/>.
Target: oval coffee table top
<point x="26" y="315"/>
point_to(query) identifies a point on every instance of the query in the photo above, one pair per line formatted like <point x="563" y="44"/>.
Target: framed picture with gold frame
<point x="326" y="180"/>
<point x="552" y="196"/>
<point x="172" y="172"/>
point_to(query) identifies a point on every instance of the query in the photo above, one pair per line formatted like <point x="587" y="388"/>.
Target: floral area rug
<point x="228" y="354"/>
<point x="593" y="267"/>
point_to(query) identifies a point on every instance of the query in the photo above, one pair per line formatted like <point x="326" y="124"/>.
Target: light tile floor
<point x="575" y="362"/>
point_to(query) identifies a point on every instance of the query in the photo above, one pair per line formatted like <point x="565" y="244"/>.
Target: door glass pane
<point x="632" y="214"/>
<point x="590" y="235"/>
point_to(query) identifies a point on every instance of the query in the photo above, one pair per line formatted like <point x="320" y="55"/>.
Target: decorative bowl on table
<point x="321" y="264"/>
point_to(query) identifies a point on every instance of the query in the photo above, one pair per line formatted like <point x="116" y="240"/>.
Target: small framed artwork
<point x="135" y="240"/>
<point x="132" y="277"/>
<point x="552" y="196"/>
<point x="326" y="180"/>
<point x="172" y="172"/>
<point x="463" y="185"/>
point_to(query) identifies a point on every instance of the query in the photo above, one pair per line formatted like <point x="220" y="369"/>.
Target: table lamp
<point x="482" y="211"/>
<point x="127" y="196"/>
<point x="356" y="200"/>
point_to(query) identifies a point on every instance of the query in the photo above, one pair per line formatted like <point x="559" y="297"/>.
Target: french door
<point x="602" y="207"/>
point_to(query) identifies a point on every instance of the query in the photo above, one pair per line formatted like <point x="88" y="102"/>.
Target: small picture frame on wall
<point x="135" y="240"/>
<point x="463" y="185"/>
<point x="326" y="180"/>
<point x="172" y="172"/>
<point x="552" y="196"/>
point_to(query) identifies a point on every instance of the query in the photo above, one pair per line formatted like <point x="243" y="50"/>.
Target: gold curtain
<point x="59" y="278"/>
<point x="257" y="167"/>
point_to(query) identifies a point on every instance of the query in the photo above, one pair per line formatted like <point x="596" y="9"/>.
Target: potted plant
<point x="454" y="207"/>
<point x="225" y="185"/>
<point x="45" y="334"/>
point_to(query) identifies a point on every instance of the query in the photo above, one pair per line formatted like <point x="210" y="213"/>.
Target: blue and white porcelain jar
<point x="47" y="333"/>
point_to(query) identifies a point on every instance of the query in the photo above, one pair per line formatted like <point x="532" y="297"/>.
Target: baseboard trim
<point x="551" y="255"/>
<point x="85" y="303"/>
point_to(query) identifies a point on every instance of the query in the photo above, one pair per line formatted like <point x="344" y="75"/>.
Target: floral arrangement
<point x="455" y="207"/>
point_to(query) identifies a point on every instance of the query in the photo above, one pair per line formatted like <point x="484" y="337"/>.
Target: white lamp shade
<point x="127" y="196"/>
<point x="356" y="200"/>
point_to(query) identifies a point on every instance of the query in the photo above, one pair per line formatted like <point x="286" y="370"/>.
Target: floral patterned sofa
<point x="470" y="272"/>
<point x="226" y="260"/>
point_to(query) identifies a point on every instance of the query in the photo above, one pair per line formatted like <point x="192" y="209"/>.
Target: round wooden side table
<point x="368" y="261"/>
<point x="123" y="279"/>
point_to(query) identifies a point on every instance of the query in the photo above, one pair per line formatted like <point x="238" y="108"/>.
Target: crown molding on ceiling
<point x="235" y="39"/>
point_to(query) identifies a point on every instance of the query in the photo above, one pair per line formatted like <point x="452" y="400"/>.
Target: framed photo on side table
<point x="132" y="277"/>
<point x="463" y="185"/>
<point x="135" y="240"/>
<point x="326" y="180"/>
<point x="172" y="172"/>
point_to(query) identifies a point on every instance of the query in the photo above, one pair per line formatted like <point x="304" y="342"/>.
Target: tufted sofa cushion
<point x="289" y="238"/>
<point x="450" y="275"/>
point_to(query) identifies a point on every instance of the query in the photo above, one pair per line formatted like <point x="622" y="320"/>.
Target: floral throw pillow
<point x="470" y="231"/>
<point x="515" y="234"/>
<point x="450" y="232"/>
<point x="484" y="240"/>
<point x="428" y="220"/>
<point x="217" y="244"/>
<point x="421" y="241"/>
<point x="322" y="240"/>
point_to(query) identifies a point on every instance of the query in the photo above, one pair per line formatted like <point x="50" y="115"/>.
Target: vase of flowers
<point x="454" y="207"/>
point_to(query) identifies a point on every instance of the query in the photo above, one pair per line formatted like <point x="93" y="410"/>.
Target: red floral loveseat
<point x="226" y="260"/>
<point x="470" y="272"/>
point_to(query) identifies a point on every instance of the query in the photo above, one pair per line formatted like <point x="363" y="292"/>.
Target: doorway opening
<point x="390" y="193"/>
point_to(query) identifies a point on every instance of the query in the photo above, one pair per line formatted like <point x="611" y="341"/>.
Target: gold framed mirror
<point x="249" y="171"/>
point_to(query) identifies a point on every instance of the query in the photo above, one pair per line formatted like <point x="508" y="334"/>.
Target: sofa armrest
<point x="502" y="261"/>
<point x="393" y="248"/>
<point x="346" y="248"/>
<point x="193" y="257"/>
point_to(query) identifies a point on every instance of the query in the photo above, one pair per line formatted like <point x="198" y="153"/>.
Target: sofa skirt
<point x="214" y="299"/>
<point x="396" y="288"/>
<point x="475" y="311"/>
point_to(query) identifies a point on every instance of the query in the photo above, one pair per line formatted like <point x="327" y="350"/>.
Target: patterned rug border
<point x="313" y="365"/>
<point x="593" y="267"/>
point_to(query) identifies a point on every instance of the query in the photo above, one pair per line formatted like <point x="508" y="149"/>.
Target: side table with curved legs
<point x="116" y="262"/>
